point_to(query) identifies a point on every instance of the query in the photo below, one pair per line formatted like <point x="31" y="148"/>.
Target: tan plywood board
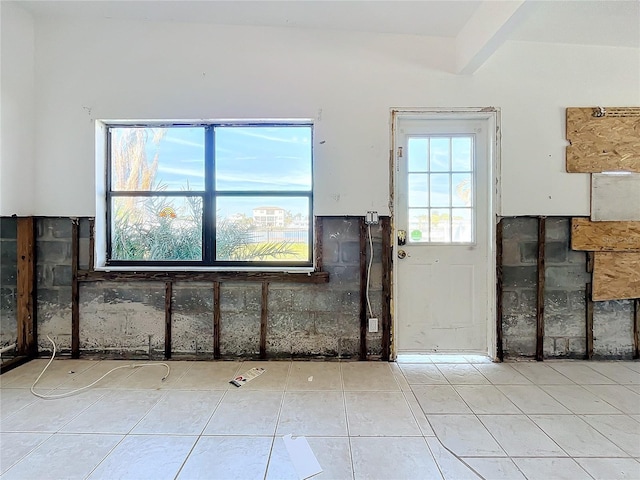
<point x="604" y="236"/>
<point x="610" y="142"/>
<point x="615" y="197"/>
<point x="616" y="275"/>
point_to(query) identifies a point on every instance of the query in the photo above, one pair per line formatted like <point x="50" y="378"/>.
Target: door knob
<point x="402" y="254"/>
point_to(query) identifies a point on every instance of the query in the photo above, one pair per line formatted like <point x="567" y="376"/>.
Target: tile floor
<point x="455" y="418"/>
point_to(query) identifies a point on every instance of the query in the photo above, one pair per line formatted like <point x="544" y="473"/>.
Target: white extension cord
<point x="369" y="270"/>
<point x="77" y="390"/>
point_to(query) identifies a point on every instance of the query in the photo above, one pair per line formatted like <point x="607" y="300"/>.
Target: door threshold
<point x="442" y="358"/>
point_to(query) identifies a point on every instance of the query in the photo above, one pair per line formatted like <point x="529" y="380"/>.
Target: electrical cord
<point x="77" y="390"/>
<point x="369" y="270"/>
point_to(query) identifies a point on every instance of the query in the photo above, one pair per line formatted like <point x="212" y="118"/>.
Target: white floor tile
<point x="462" y="374"/>
<point x="519" y="436"/>
<point x="314" y="376"/>
<point x="14" y="399"/>
<point x="227" y="458"/>
<point x="620" y="429"/>
<point x="423" y="374"/>
<point x="180" y="412"/>
<point x="63" y="456"/>
<point x="208" y="376"/>
<point x="576" y="437"/>
<point x="532" y="399"/>
<point x="384" y="458"/>
<point x="333" y="455"/>
<point x="611" y="468"/>
<point x="486" y="399"/>
<point x="368" y="376"/>
<point x="151" y="376"/>
<point x="451" y="467"/>
<point x="246" y="412"/>
<point x="579" y="400"/>
<point x="145" y="457"/>
<point x="550" y="468"/>
<point x="313" y="413"/>
<point x="118" y="411"/>
<point x="580" y="373"/>
<point x="502" y="374"/>
<point x="17" y="445"/>
<point x="541" y="374"/>
<point x="465" y="436"/>
<point x="96" y="371"/>
<point x="617" y="371"/>
<point x="59" y="372"/>
<point x="496" y="468"/>
<point x="440" y="399"/>
<point x="619" y="396"/>
<point x="373" y="414"/>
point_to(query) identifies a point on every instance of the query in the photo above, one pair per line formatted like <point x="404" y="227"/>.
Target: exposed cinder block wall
<point x="8" y="282"/>
<point x="127" y="318"/>
<point x="565" y="306"/>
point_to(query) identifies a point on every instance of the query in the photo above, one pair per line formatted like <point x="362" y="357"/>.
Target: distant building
<point x="269" y="216"/>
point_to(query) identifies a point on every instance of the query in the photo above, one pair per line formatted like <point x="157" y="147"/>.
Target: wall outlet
<point x="373" y="325"/>
<point x="371" y="218"/>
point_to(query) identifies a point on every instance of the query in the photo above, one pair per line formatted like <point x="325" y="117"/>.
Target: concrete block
<point x="349" y="347"/>
<point x="53" y="228"/>
<point x="253" y="297"/>
<point x="280" y="299"/>
<point x="613" y="329"/>
<point x="84" y="227"/>
<point x="341" y="275"/>
<point x="549" y="347"/>
<point x="569" y="277"/>
<point x="8" y="298"/>
<point x="511" y="253"/>
<point x="515" y="347"/>
<point x="556" y="302"/>
<point x="520" y="228"/>
<point x="84" y="254"/>
<point x="577" y="301"/>
<point x="529" y="252"/>
<point x="331" y="252"/>
<point x="350" y="252"/>
<point x="54" y="252"/>
<point x="305" y="345"/>
<point x="577" y="257"/>
<point x="8" y="252"/>
<point x="192" y="333"/>
<point x="8" y="227"/>
<point x="62" y="275"/>
<point x="340" y="228"/>
<point x="519" y="302"/>
<point x="231" y="298"/>
<point x="519" y="277"/>
<point x="193" y="301"/>
<point x="149" y="294"/>
<point x="44" y="275"/>
<point x="555" y="252"/>
<point x="568" y="324"/>
<point x="240" y="334"/>
<point x="9" y="275"/>
<point x="577" y="347"/>
<point x="558" y="228"/>
<point x="48" y="295"/>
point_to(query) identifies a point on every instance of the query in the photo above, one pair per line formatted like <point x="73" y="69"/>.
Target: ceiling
<point x="603" y="22"/>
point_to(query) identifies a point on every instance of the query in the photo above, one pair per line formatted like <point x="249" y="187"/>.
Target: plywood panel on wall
<point x="616" y="275"/>
<point x="604" y="236"/>
<point x="608" y="142"/>
<point x="615" y="197"/>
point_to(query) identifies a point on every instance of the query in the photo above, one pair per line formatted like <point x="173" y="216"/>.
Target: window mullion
<point x="209" y="207"/>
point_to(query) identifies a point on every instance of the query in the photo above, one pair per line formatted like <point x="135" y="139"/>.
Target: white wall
<point x="17" y="117"/>
<point x="346" y="81"/>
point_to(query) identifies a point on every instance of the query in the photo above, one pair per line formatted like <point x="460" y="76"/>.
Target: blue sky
<point x="247" y="159"/>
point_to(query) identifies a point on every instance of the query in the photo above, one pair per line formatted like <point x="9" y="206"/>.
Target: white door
<point x="444" y="267"/>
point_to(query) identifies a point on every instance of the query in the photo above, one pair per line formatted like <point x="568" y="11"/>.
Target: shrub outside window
<point x="212" y="194"/>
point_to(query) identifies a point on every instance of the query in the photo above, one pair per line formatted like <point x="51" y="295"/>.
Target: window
<point x="209" y="195"/>
<point x="441" y="189"/>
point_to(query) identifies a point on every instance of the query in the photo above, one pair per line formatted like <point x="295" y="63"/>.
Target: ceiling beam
<point x="487" y="29"/>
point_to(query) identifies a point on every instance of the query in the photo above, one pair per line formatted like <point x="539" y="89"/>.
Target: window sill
<point x="203" y="276"/>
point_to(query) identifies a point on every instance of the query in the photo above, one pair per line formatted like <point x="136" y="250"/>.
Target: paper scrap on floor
<point x="302" y="457"/>
<point x="247" y="376"/>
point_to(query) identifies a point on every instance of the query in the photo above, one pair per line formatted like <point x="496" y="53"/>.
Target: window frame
<point x="210" y="196"/>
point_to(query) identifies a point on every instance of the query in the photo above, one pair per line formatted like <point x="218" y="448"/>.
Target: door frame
<point x="492" y="116"/>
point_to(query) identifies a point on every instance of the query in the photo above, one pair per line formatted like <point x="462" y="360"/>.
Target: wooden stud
<point x="318" y="233"/>
<point x="216" y="320"/>
<point x="499" y="249"/>
<point x="636" y="328"/>
<point x="589" y="323"/>
<point x="590" y="260"/>
<point x="92" y="243"/>
<point x="75" y="289"/>
<point x="263" y="320"/>
<point x="363" y="288"/>
<point x="26" y="288"/>
<point x="168" y="293"/>
<point x="540" y="290"/>
<point x="387" y="259"/>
